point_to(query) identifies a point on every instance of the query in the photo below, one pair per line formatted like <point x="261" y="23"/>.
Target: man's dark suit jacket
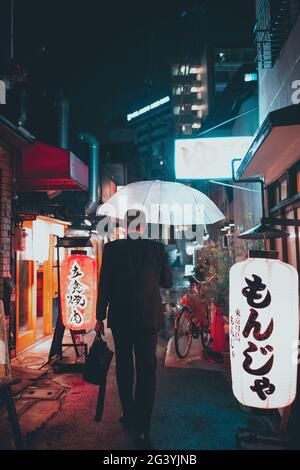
<point x="131" y="273"/>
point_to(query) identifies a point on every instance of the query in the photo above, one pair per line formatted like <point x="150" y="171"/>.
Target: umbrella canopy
<point x="163" y="202"/>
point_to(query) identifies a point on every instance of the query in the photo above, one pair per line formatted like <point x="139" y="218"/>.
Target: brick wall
<point x="5" y="213"/>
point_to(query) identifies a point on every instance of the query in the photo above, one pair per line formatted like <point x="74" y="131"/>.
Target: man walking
<point x="132" y="271"/>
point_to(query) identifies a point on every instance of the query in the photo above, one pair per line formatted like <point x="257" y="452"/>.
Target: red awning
<point x="45" y="168"/>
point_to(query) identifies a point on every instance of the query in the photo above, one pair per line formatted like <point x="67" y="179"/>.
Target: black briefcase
<point x="96" y="369"/>
<point x="97" y="362"/>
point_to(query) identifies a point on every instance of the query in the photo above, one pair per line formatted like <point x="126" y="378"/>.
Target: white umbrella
<point x="163" y="202"/>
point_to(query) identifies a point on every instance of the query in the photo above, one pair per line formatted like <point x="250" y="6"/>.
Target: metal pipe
<point x="94" y="171"/>
<point x="254" y="179"/>
<point x="233" y="186"/>
<point x="63" y="123"/>
<point x="11" y="29"/>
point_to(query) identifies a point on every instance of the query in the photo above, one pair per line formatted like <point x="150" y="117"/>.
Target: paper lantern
<point x="78" y="291"/>
<point x="263" y="332"/>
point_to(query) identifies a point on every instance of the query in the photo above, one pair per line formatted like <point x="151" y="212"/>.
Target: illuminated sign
<point x="208" y="158"/>
<point x="78" y="291"/>
<point x="264" y="328"/>
<point x="144" y="110"/>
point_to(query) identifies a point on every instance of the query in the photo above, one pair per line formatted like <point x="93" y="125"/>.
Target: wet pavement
<point x="195" y="409"/>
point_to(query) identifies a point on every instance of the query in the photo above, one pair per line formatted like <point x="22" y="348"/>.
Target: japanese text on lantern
<point x="235" y="330"/>
<point x="75" y="298"/>
<point x="257" y="302"/>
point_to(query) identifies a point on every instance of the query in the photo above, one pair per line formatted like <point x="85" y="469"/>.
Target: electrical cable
<point x="225" y="122"/>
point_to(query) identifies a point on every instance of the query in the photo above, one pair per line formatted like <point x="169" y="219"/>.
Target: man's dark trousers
<point x="136" y="349"/>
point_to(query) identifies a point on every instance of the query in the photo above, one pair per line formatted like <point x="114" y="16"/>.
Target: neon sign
<point x="144" y="110"/>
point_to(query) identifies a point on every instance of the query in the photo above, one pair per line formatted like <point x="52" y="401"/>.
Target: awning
<point x="44" y="168"/>
<point x="275" y="147"/>
<point x="16" y="137"/>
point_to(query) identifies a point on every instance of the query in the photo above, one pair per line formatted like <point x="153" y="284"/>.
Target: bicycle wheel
<point x="183" y="332"/>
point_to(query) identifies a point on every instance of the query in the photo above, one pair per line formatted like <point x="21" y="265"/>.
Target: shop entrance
<point x="36" y="279"/>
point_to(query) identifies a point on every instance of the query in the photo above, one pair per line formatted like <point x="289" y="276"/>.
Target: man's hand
<point x="99" y="327"/>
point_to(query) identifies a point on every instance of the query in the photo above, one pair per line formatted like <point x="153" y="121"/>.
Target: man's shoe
<point x="143" y="442"/>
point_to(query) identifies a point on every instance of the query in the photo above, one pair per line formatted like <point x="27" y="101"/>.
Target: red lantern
<point x="78" y="291"/>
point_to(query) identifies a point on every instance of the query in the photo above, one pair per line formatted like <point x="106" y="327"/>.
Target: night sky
<point x="111" y="57"/>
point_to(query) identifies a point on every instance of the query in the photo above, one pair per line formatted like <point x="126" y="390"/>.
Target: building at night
<point x="45" y="193"/>
<point x="274" y="154"/>
<point x="188" y="96"/>
<point x="226" y="63"/>
<point x="233" y="112"/>
<point x="29" y="227"/>
<point x="154" y="139"/>
<point x="237" y="107"/>
<point x="119" y="154"/>
<point x="12" y="141"/>
<point x="198" y="84"/>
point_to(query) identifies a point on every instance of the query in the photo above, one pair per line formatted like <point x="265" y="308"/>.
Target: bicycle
<point x="193" y="318"/>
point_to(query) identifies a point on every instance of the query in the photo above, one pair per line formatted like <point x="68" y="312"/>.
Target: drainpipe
<point x="253" y="179"/>
<point x="63" y="123"/>
<point x="94" y="167"/>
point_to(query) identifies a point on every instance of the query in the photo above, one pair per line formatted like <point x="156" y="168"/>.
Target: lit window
<point x="184" y="70"/>
<point x="196" y="125"/>
<point x="250" y="77"/>
<point x="196" y="107"/>
<point x="176" y="110"/>
<point x="195" y="69"/>
<point x="283" y="189"/>
<point x="179" y="90"/>
<point x="195" y="89"/>
<point x="298" y="181"/>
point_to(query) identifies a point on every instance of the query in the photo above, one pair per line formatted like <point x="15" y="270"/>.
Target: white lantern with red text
<point x="264" y="328"/>
<point x="78" y="291"/>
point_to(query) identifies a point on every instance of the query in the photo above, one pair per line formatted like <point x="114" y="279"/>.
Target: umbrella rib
<point x="150" y="186"/>
<point x="159" y="201"/>
<point x="196" y="203"/>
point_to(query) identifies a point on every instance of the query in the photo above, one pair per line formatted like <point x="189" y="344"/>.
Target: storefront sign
<point x="78" y="291"/>
<point x="263" y="331"/>
<point x="208" y="158"/>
